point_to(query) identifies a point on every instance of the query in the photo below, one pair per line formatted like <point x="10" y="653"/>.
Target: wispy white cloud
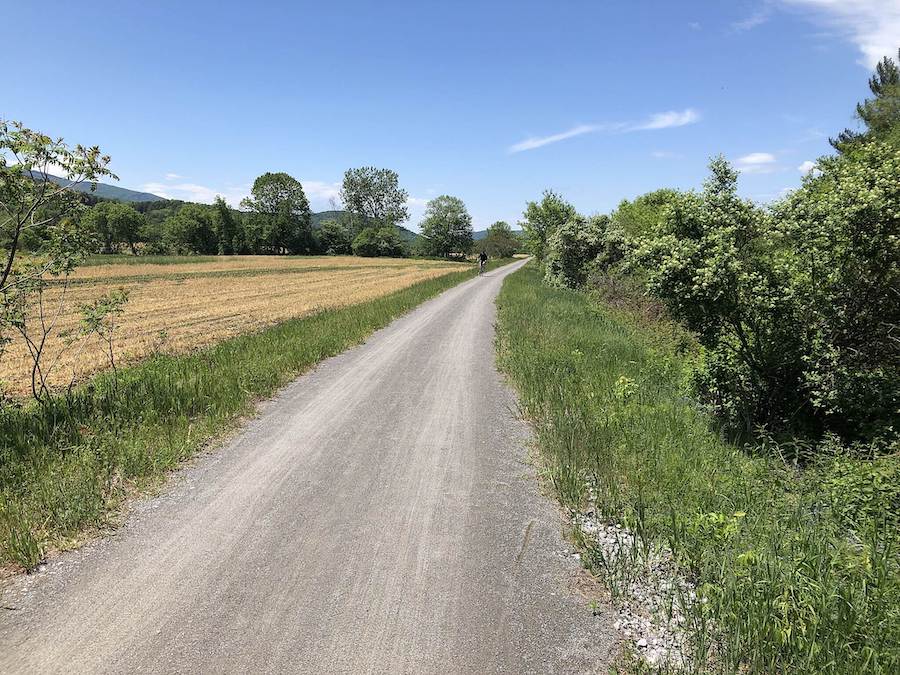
<point x="321" y="193"/>
<point x="757" y="158"/>
<point x="872" y="25"/>
<point x="806" y="167"/>
<point x="669" y="119"/>
<point x="663" y="120"/>
<point x="757" y="162"/>
<point x="416" y="207"/>
<point x="173" y="176"/>
<point x="534" y="142"/>
<point x="758" y="18"/>
<point x="812" y="135"/>
<point x="694" y="25"/>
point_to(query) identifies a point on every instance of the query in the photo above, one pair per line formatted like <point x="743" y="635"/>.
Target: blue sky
<point x="489" y="101"/>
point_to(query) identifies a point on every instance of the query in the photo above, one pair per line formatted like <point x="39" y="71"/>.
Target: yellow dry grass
<point x="176" y="308"/>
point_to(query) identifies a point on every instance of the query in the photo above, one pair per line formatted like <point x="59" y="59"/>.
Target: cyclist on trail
<point x="482" y="259"/>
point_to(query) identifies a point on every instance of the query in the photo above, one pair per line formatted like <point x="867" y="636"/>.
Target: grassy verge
<point x="65" y="469"/>
<point x="787" y="581"/>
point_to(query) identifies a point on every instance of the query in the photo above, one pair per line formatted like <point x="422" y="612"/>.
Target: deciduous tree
<point x="226" y="228"/>
<point x="542" y="218"/>
<point x="30" y="200"/>
<point x="447" y="228"/>
<point x="333" y="238"/>
<point x="374" y="197"/>
<point x="191" y="230"/>
<point x="500" y="241"/>
<point x="378" y="241"/>
<point x="281" y="211"/>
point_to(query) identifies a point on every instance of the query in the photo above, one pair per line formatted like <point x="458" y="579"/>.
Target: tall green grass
<point x="787" y="582"/>
<point x="64" y="469"/>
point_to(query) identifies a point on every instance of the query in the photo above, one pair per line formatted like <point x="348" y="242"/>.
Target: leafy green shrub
<point x="710" y="261"/>
<point x="499" y="241"/>
<point x="541" y="219"/>
<point x="798" y="309"/>
<point x="638" y="218"/>
<point x="840" y="256"/>
<point x="333" y="238"/>
<point x="381" y="241"/>
<point x="571" y="248"/>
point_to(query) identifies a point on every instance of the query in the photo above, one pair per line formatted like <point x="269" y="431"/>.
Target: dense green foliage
<point x="275" y="220"/>
<point x="572" y="248"/>
<point x="780" y="321"/>
<point x="446" y="230"/>
<point x="796" y="306"/>
<point x="334" y="238"/>
<point x="543" y="218"/>
<point x="838" y="252"/>
<point x="279" y="214"/>
<point x="373" y="198"/>
<point x="186" y="228"/>
<point x="191" y="231"/>
<point x="115" y="224"/>
<point x="499" y="241"/>
<point x="378" y="241"/>
<point x="794" y="571"/>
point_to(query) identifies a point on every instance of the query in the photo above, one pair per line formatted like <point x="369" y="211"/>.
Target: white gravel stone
<point x="647" y="597"/>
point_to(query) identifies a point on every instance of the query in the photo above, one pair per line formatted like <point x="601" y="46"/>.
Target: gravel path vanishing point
<point x="378" y="515"/>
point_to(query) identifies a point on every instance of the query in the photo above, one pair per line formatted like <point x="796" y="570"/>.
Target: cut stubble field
<point x="178" y="308"/>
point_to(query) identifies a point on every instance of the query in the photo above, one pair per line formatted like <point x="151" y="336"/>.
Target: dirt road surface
<point x="378" y="516"/>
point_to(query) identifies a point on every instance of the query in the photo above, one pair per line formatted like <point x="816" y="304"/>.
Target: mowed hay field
<point x="175" y="308"/>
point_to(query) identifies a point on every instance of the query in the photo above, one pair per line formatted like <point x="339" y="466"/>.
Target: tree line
<point x="796" y="305"/>
<point x="276" y="219"/>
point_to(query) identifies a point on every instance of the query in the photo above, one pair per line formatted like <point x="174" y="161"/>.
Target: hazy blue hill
<point x="407" y="235"/>
<point x="105" y="191"/>
<point x="322" y="216"/>
<point x="478" y="235"/>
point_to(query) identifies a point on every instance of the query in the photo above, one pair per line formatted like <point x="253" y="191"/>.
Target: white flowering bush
<point x="797" y="309"/>
<point x="839" y="249"/>
<point x="571" y="248"/>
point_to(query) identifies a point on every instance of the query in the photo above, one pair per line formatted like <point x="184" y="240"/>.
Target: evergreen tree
<point x="880" y="114"/>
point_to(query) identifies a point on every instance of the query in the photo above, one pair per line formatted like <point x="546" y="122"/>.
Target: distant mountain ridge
<point x="478" y="235"/>
<point x="105" y="191"/>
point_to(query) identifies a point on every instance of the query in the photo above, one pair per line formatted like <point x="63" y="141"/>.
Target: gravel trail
<point x="377" y="516"/>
